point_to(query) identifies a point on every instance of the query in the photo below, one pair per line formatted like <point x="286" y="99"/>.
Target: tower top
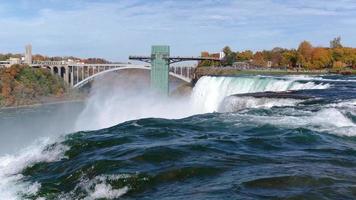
<point x="28" y="54"/>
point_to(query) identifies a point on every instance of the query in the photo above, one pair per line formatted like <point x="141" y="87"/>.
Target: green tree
<point x="290" y="58"/>
<point x="230" y="56"/>
<point x="244" y="55"/>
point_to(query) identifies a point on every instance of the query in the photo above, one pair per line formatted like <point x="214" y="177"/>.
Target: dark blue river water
<point x="247" y="148"/>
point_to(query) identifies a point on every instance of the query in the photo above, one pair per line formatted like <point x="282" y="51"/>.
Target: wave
<point x="141" y="158"/>
<point x="98" y="187"/>
<point x="327" y="120"/>
<point x="12" y="184"/>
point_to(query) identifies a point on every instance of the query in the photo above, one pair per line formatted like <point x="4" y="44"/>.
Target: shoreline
<point x="55" y="102"/>
<point x="230" y="71"/>
<point x="200" y="72"/>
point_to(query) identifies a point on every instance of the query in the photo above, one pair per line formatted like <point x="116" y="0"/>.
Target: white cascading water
<point x="209" y="92"/>
<point x="233" y="104"/>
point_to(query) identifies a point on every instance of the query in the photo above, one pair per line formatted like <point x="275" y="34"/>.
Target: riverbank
<point x="21" y="86"/>
<point x="47" y="101"/>
<point x="228" y="71"/>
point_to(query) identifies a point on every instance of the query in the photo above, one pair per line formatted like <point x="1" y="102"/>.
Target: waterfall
<point x="209" y="91"/>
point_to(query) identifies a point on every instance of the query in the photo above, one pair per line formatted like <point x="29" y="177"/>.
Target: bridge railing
<point x="184" y="71"/>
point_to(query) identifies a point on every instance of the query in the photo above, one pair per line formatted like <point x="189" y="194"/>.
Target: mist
<point x="123" y="96"/>
<point x="113" y="98"/>
<point x="22" y="127"/>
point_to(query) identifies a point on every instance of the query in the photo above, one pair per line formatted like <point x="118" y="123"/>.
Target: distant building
<point x="14" y="61"/>
<point x="219" y="55"/>
<point x="4" y="64"/>
<point x="28" y="54"/>
<point x="9" y="62"/>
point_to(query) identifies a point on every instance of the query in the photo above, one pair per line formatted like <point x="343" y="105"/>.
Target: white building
<point x="14" y="61"/>
<point x="4" y="64"/>
<point x="221" y="55"/>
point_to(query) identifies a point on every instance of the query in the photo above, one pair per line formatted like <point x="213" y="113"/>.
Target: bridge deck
<point x="174" y="59"/>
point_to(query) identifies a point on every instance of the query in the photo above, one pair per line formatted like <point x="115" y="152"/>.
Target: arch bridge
<point x="78" y="75"/>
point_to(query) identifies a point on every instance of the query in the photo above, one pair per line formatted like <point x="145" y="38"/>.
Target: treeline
<point x="22" y="85"/>
<point x="307" y="56"/>
<point x="38" y="57"/>
<point x="7" y="56"/>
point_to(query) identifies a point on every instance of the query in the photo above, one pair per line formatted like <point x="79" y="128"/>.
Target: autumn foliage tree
<point x="305" y="51"/>
<point x="306" y="56"/>
<point x="20" y="84"/>
<point x="259" y="59"/>
<point x="321" y="58"/>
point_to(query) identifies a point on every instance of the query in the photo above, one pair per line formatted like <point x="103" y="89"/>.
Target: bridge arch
<point x="92" y="77"/>
<point x="62" y="71"/>
<point x="55" y="70"/>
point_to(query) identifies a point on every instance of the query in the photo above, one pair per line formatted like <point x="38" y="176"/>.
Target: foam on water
<point x="103" y="190"/>
<point x="329" y="120"/>
<point x="99" y="188"/>
<point x="11" y="184"/>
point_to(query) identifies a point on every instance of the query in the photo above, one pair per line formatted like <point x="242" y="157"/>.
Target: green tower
<point x="160" y="69"/>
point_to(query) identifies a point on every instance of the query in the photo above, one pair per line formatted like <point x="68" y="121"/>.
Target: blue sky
<point x="115" y="29"/>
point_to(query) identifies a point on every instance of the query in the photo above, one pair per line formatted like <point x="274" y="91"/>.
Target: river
<point x="127" y="143"/>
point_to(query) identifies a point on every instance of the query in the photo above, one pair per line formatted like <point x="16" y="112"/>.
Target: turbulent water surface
<point x="134" y="145"/>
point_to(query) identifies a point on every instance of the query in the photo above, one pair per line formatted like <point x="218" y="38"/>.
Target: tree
<point x="259" y="60"/>
<point x="336" y="43"/>
<point x="305" y="51"/>
<point x="276" y="56"/>
<point x="244" y="55"/>
<point x="290" y="58"/>
<point x="338" y="65"/>
<point x="230" y="56"/>
<point x="227" y="50"/>
<point x="21" y="84"/>
<point x="321" y="58"/>
<point x="38" y="57"/>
